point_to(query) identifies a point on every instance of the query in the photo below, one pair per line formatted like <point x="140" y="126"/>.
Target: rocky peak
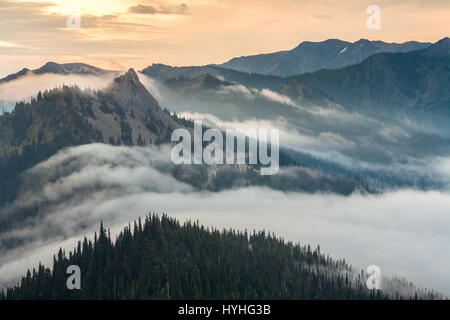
<point x="129" y="79"/>
<point x="131" y="93"/>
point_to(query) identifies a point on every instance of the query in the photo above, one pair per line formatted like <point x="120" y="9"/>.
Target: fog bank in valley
<point x="404" y="232"/>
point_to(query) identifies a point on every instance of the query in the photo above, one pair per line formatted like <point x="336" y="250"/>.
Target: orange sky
<point x="135" y="33"/>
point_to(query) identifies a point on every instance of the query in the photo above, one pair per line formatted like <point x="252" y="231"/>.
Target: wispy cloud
<point x="5" y="44"/>
<point x="162" y="9"/>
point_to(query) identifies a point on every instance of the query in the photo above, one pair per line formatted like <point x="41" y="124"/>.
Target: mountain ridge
<point x="56" y="68"/>
<point x="392" y="83"/>
<point x="311" y="56"/>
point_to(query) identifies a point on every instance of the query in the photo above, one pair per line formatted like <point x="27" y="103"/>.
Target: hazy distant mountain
<point x="162" y="72"/>
<point x="187" y="82"/>
<point x="314" y="56"/>
<point x="391" y="83"/>
<point x="65" y="68"/>
<point x="208" y="88"/>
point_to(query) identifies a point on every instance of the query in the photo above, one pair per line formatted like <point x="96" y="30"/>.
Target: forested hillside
<point x="161" y="259"/>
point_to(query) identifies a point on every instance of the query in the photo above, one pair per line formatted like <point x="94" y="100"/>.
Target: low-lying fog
<point x="405" y="232"/>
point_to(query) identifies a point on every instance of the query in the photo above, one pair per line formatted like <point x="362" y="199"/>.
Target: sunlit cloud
<point x="169" y="9"/>
<point x="4" y="44"/>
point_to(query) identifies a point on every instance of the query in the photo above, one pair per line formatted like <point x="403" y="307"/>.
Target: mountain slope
<point x="227" y="100"/>
<point x="314" y="56"/>
<point x="162" y="72"/>
<point x="192" y="82"/>
<point x="415" y="82"/>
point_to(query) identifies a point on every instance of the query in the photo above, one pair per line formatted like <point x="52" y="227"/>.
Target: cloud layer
<point x="403" y="232"/>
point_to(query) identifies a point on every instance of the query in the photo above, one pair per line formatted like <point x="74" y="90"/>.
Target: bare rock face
<point x="130" y="93"/>
<point x="127" y="111"/>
